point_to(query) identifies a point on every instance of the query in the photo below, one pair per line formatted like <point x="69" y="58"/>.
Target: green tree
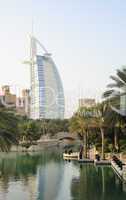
<point x="29" y="131"/>
<point x="80" y="124"/>
<point x="116" y="90"/>
<point x="98" y="120"/>
<point x="116" y="123"/>
<point x="8" y="129"/>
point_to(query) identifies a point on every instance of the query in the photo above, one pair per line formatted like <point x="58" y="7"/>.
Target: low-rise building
<point x="7" y="98"/>
<point x="86" y="102"/>
<point x="20" y="104"/>
<point x="23" y="103"/>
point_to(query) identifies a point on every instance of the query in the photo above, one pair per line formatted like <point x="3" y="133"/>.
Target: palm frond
<point x="122" y="76"/>
<point x="118" y="81"/>
<point x="6" y="140"/>
<point x="107" y="93"/>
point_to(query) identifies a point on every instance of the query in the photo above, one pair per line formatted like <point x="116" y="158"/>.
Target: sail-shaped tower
<point x="47" y="95"/>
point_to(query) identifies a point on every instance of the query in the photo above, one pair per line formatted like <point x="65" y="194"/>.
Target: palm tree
<point x="116" y="91"/>
<point x="6" y="140"/>
<point x="98" y="121"/>
<point x="116" y="122"/>
<point x="115" y="95"/>
<point x="80" y="124"/>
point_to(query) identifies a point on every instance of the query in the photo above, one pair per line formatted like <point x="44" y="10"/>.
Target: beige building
<point x="7" y="98"/>
<point x="87" y="102"/>
<point x="23" y="103"/>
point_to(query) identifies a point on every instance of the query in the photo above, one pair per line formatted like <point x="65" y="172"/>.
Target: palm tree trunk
<point x="85" y="145"/>
<point x="116" y="145"/>
<point x="87" y="136"/>
<point x="102" y="136"/>
<point x="103" y="182"/>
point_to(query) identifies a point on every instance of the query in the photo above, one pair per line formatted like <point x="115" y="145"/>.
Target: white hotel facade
<point x="47" y="95"/>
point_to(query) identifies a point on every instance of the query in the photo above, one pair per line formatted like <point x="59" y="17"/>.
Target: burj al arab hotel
<point x="47" y="95"/>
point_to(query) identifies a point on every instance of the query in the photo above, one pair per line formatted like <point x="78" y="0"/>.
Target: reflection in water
<point x="49" y="178"/>
<point x="46" y="176"/>
<point x="70" y="172"/>
<point x="97" y="183"/>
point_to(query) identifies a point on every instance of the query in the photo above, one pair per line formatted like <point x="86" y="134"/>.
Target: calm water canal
<point x="46" y="176"/>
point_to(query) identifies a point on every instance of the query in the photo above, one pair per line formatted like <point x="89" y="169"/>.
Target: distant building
<point x="86" y="102"/>
<point x="23" y="103"/>
<point x="7" y="98"/>
<point x="6" y="89"/>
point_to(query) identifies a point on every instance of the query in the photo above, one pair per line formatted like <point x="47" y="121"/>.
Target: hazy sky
<point x="86" y="37"/>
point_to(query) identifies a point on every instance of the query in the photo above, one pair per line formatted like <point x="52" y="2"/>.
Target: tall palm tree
<point x="98" y="121"/>
<point x="79" y="124"/>
<point x="115" y="95"/>
<point x="116" y="122"/>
